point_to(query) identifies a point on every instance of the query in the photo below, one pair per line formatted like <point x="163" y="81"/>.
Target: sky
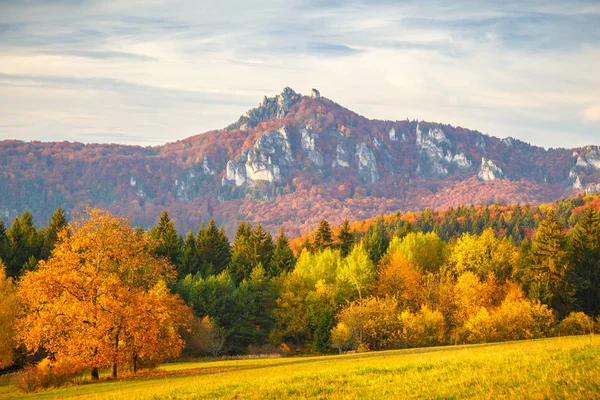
<point x="151" y="71"/>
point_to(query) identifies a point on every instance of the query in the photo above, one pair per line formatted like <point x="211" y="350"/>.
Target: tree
<point x="549" y="278"/>
<point x="24" y="242"/>
<point x="213" y="249"/>
<point x="168" y="242"/>
<point x="190" y="264"/>
<point x="8" y="313"/>
<point x="322" y="336"/>
<point x="341" y="337"/>
<point x="482" y="254"/>
<point x="206" y="337"/>
<point x="398" y="278"/>
<point x="283" y="259"/>
<point x="241" y="253"/>
<point x="4" y="254"/>
<point x="425" y="250"/>
<point x="58" y="222"/>
<point x="358" y="270"/>
<point x="323" y="236"/>
<point x="101" y="298"/>
<point x="261" y="243"/>
<point x="585" y="256"/>
<point x="345" y="238"/>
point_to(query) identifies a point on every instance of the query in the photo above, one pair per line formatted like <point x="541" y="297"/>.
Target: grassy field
<point x="548" y="368"/>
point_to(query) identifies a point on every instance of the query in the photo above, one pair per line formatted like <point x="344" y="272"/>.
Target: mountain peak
<point x="271" y="107"/>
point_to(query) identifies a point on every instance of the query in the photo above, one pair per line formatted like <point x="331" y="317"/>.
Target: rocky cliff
<point x="291" y="161"/>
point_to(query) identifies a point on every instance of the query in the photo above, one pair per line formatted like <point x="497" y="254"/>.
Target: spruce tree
<point x="241" y="253"/>
<point x="322" y="336"/>
<point x="323" y="236"/>
<point x="168" y="242"/>
<point x="213" y="249"/>
<point x="550" y="275"/>
<point x="585" y="256"/>
<point x="262" y="246"/>
<point x="190" y="264"/>
<point x="3" y="243"/>
<point x="58" y="222"/>
<point x="283" y="257"/>
<point x="345" y="238"/>
<point x="24" y="242"/>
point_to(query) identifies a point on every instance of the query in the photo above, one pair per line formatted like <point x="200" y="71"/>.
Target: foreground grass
<point x="548" y="368"/>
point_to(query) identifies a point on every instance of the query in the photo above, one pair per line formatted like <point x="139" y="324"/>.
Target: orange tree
<point x="101" y="299"/>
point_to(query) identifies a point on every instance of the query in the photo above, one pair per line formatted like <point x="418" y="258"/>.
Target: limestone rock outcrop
<point x="489" y="171"/>
<point x="367" y="163"/>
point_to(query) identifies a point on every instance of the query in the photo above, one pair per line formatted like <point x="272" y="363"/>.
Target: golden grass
<point x="548" y="368"/>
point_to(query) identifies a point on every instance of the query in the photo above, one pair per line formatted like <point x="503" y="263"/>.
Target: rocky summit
<point x="291" y="161"/>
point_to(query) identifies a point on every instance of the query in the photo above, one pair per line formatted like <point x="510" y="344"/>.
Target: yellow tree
<point x="8" y="312"/>
<point x="101" y="298"/>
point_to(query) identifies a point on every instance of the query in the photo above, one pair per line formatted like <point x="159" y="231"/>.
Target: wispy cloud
<point x="155" y="71"/>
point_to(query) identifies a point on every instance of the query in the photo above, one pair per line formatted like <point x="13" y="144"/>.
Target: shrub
<point x="576" y="323"/>
<point x="46" y="374"/>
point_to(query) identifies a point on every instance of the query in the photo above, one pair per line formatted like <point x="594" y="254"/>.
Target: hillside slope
<point x="290" y="162"/>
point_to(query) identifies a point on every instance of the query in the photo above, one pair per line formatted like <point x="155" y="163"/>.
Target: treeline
<point x="471" y="274"/>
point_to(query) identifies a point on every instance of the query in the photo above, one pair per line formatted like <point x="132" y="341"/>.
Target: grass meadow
<point x="567" y="367"/>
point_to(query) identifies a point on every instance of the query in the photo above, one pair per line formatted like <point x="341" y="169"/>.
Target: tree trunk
<point x="135" y="365"/>
<point x="95" y="374"/>
<point x="114" y="366"/>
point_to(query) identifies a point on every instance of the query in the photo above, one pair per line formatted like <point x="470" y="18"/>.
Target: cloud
<point x="591" y="113"/>
<point x="330" y="49"/>
<point x="161" y="70"/>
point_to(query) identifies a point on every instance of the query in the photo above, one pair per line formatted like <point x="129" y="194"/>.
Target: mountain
<point x="290" y="162"/>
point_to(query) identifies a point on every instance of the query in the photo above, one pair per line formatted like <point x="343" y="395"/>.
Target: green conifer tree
<point x="550" y="274"/>
<point x="214" y="251"/>
<point x="169" y="243"/>
<point x="190" y="264"/>
<point x="585" y="256"/>
<point x="345" y="238"/>
<point x="283" y="257"/>
<point x="323" y="236"/>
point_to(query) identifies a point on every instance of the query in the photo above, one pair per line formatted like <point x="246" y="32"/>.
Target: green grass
<point x="537" y="369"/>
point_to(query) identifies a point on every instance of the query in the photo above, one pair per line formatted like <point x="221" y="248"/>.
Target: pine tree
<point x="58" y="222"/>
<point x="550" y="277"/>
<point x="322" y="336"/>
<point x="262" y="246"/>
<point x="585" y="256"/>
<point x="190" y="264"/>
<point x="241" y="253"/>
<point x="345" y="238"/>
<point x="168" y="242"/>
<point x="283" y="257"/>
<point x="323" y="236"/>
<point x="3" y="243"/>
<point x="213" y="249"/>
<point x="24" y="242"/>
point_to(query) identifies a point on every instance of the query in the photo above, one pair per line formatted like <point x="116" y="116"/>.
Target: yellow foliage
<point x="576" y="323"/>
<point x="101" y="298"/>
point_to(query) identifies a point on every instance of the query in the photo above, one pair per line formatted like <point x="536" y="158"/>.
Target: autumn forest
<point x="96" y="293"/>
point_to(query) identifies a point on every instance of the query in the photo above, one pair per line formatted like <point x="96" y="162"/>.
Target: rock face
<point x="342" y="158"/>
<point x="263" y="162"/>
<point x="308" y="142"/>
<point x="592" y="189"/>
<point x="367" y="163"/>
<point x="270" y="107"/>
<point x="392" y="134"/>
<point x="577" y="184"/>
<point x="315" y="94"/>
<point x="435" y="147"/>
<point x="489" y="171"/>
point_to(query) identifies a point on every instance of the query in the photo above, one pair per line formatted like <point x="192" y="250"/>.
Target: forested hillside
<point x="463" y="275"/>
<point x="291" y="162"/>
